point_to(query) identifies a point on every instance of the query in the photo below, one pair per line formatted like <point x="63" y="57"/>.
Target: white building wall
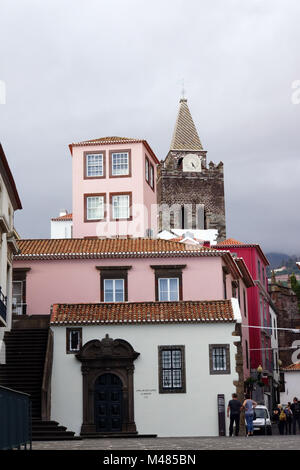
<point x="292" y="387"/>
<point x="61" y="229"/>
<point x="7" y="213"/>
<point x="274" y="345"/>
<point x="193" y="413"/>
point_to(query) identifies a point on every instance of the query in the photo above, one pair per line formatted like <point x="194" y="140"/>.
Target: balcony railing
<point x="3" y="307"/>
<point x="15" y="422"/>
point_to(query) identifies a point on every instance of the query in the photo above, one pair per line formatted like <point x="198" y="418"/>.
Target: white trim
<point x="236" y="310"/>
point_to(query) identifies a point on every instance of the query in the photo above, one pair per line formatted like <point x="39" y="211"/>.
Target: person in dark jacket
<point x="295" y="407"/>
<point x="234" y="406"/>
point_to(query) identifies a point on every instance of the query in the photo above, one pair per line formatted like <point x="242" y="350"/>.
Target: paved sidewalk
<point x="177" y="443"/>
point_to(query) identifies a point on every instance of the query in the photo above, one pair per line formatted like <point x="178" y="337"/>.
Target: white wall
<point x="274" y="344"/>
<point x="193" y="413"/>
<point x="7" y="212"/>
<point x="61" y="229"/>
<point x="292" y="387"/>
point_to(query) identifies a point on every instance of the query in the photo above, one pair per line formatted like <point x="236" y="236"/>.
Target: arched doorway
<point x="108" y="403"/>
<point x="108" y="393"/>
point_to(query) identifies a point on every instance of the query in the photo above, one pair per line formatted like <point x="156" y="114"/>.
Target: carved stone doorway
<point x="113" y="358"/>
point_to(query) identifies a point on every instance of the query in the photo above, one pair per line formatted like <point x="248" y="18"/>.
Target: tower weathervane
<point x="183" y="90"/>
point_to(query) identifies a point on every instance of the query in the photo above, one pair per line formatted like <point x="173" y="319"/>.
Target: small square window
<point x="168" y="289"/>
<point x="121" y="207"/>
<point x="114" y="290"/>
<point x="74" y="340"/>
<point x="120" y="164"/>
<point x="171" y="369"/>
<point x="95" y="208"/>
<point x="94" y="165"/>
<point x="219" y="359"/>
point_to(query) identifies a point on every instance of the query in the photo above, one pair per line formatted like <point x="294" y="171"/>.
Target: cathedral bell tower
<point x="190" y="194"/>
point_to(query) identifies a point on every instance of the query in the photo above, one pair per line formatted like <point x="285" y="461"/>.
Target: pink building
<point x="80" y="271"/>
<point x="114" y="188"/>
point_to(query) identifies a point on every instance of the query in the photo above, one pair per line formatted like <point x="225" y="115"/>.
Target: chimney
<point x="63" y="212"/>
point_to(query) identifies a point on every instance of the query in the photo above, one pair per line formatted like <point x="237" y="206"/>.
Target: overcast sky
<point x="82" y="69"/>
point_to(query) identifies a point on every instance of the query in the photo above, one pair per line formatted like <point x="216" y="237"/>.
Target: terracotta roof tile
<point x="292" y="367"/>
<point x="143" y="312"/>
<point x="107" y="248"/>
<point x="63" y="217"/>
<point x="112" y="141"/>
<point x="231" y="242"/>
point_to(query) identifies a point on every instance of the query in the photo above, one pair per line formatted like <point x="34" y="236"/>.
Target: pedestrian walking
<point x="249" y="406"/>
<point x="281" y="419"/>
<point x="289" y="419"/>
<point x="234" y="407"/>
<point x="295" y="407"/>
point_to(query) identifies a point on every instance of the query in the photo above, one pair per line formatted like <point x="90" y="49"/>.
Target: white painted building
<point x="199" y="236"/>
<point x="291" y="383"/>
<point x="165" y="362"/>
<point x="274" y="345"/>
<point x="62" y="226"/>
<point x="9" y="203"/>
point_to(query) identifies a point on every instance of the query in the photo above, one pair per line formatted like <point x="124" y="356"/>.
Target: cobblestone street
<point x="177" y="443"/>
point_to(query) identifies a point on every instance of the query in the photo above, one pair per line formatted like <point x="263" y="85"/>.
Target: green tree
<point x="296" y="287"/>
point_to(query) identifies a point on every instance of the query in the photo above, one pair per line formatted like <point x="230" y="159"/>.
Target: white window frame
<point x="93" y="165"/>
<point x="78" y="340"/>
<point x="119" y="171"/>
<point x="102" y="215"/>
<point x="18" y="306"/>
<point x="151" y="176"/>
<point x="117" y="207"/>
<point x="114" y="290"/>
<point x="168" y="279"/>
<point x="147" y="165"/>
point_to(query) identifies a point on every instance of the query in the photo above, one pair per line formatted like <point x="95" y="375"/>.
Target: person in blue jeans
<point x="249" y="406"/>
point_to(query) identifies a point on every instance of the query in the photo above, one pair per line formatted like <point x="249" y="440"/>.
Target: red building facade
<point x="258" y="308"/>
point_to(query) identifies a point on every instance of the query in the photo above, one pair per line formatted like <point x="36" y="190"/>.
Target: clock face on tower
<point x="191" y="162"/>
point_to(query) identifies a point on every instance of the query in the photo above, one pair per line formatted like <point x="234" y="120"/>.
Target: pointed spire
<point x="185" y="135"/>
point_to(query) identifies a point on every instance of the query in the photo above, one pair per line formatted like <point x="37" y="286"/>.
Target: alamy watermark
<point x="2" y="92"/>
<point x="295" y="98"/>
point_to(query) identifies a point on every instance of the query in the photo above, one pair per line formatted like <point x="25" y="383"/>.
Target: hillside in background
<point x="278" y="260"/>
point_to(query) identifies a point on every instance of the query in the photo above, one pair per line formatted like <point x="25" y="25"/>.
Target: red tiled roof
<point x="143" y="312"/>
<point x="63" y="217"/>
<point x="109" y="140"/>
<point x="108" y="248"/>
<point x="230" y="242"/>
<point x="112" y="141"/>
<point x="292" y="367"/>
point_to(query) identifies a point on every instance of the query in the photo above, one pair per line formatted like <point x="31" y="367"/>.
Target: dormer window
<point x="120" y="163"/>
